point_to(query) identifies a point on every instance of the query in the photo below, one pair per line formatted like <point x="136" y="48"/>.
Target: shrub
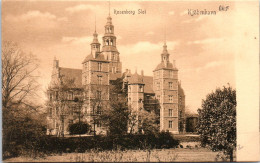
<point x="79" y="128"/>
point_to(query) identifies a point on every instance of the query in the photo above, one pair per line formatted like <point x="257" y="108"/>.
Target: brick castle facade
<point x="87" y="89"/>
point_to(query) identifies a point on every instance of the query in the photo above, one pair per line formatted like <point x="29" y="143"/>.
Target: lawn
<point x="164" y="155"/>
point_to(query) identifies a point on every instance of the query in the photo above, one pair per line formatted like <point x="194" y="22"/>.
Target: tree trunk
<point x="231" y="155"/>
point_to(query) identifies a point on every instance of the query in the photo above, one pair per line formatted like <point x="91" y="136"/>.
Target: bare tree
<point x="18" y="75"/>
<point x="23" y="124"/>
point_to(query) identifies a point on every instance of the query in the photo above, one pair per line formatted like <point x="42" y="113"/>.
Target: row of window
<point x="170" y="85"/>
<point x="170" y="98"/>
<point x="114" y="69"/>
<point x="109" y="30"/>
<point x="99" y="66"/>
<point x="140" y="88"/>
<point x="158" y="74"/>
<point x="67" y="95"/>
<point x="139" y="101"/>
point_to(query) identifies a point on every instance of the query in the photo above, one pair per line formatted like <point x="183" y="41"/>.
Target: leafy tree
<point x="217" y="121"/>
<point x="115" y="118"/>
<point x="149" y="122"/>
<point x="115" y="115"/>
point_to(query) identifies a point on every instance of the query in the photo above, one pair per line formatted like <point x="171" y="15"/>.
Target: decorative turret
<point x="165" y="55"/>
<point x="109" y="49"/>
<point x="109" y="38"/>
<point x="95" y="45"/>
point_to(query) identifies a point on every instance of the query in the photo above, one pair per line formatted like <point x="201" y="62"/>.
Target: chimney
<point x="173" y="63"/>
<point x="55" y="63"/>
<point x="142" y="72"/>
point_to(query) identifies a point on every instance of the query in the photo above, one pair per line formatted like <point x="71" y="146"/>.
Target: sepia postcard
<point x="130" y="81"/>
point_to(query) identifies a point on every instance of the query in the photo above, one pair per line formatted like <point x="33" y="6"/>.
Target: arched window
<point x="140" y="100"/>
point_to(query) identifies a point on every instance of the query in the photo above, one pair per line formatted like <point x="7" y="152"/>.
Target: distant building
<point x="89" y="92"/>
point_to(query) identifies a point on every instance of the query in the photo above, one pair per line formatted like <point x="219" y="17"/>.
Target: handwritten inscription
<point x="223" y="8"/>
<point x="193" y="12"/>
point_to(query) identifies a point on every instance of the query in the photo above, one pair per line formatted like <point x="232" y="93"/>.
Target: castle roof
<point x="148" y="81"/>
<point x="100" y="57"/>
<point x="75" y="74"/>
<point x="168" y="65"/>
<point x="115" y="76"/>
<point x="136" y="79"/>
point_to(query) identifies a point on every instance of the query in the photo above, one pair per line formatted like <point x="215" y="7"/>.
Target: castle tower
<point x="136" y="95"/>
<point x="166" y="90"/>
<point x="109" y="49"/>
<point x="95" y="81"/>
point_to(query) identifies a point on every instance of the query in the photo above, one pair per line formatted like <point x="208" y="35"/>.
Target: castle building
<point x="76" y="95"/>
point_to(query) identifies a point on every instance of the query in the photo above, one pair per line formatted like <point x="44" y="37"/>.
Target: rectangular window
<point x="171" y="74"/>
<point x="98" y="124"/>
<point x="50" y="112"/>
<point x="57" y="111"/>
<point x="86" y="64"/>
<point x="158" y="85"/>
<point x="57" y="95"/>
<point x="70" y="96"/>
<point x="99" y="110"/>
<point x="170" y="112"/>
<point x="170" y="124"/>
<point x="86" y="79"/>
<point x="50" y="96"/>
<point x="158" y="97"/>
<point x="99" y="80"/>
<point x="170" y="98"/>
<point x="99" y="94"/>
<point x="170" y="85"/>
<point x="99" y="66"/>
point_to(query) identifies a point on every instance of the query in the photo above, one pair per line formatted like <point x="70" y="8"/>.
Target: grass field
<point x="164" y="155"/>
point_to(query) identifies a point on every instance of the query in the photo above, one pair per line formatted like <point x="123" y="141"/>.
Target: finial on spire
<point x="164" y="34"/>
<point x="109" y="8"/>
<point x="95" y="23"/>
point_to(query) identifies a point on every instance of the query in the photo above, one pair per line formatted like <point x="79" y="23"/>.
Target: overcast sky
<point x="204" y="46"/>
